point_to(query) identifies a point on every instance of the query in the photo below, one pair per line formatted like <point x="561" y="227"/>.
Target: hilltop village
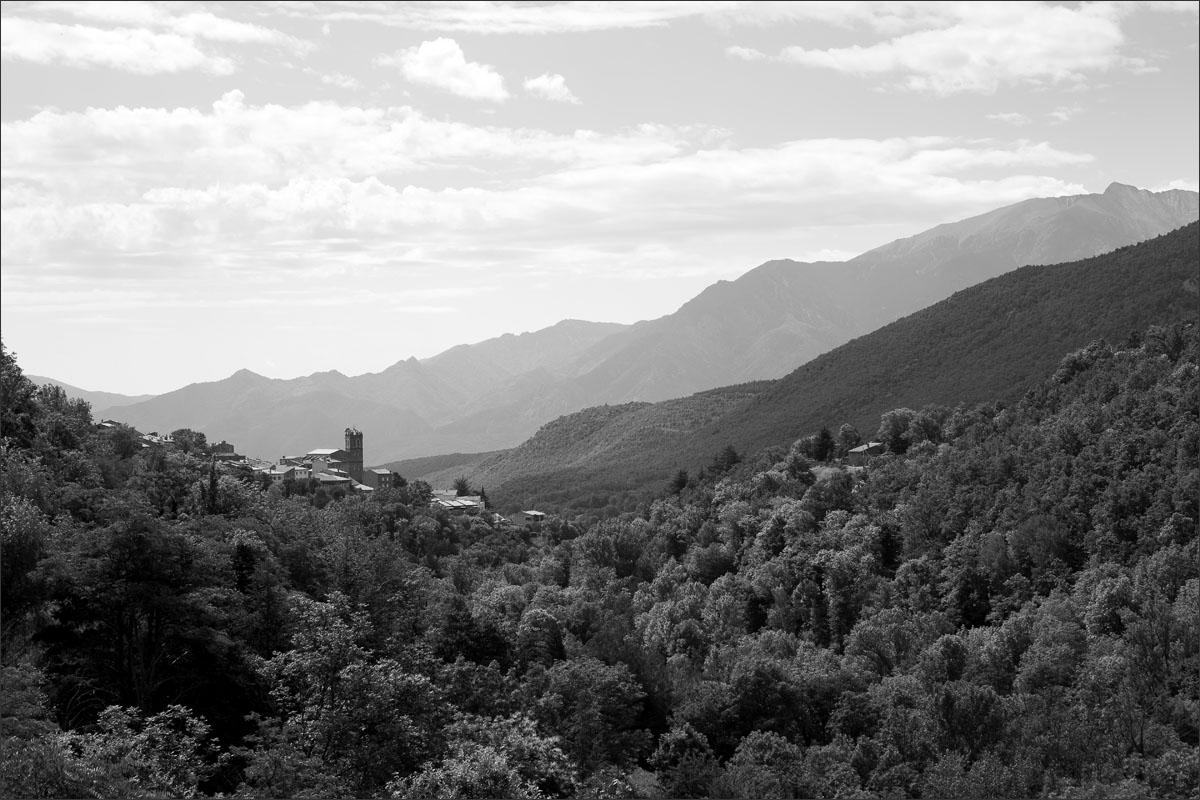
<point x="337" y="470"/>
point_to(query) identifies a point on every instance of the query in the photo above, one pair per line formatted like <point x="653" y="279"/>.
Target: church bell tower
<point x="354" y="446"/>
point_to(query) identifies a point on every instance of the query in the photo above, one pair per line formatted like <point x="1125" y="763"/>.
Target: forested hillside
<point x="1003" y="605"/>
<point x="605" y="434"/>
<point x="991" y="341"/>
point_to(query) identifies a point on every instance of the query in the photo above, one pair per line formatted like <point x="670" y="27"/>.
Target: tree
<point x="18" y="406"/>
<point x="343" y="712"/>
<point x="137" y="606"/>
<point x="894" y="429"/>
<point x="764" y="765"/>
<point x="594" y="707"/>
<point x="725" y="460"/>
<point x="462" y="486"/>
<point x="823" y="447"/>
<point x="685" y="763"/>
<point x="190" y="441"/>
<point x="492" y="757"/>
<point x="23" y="535"/>
<point x="167" y="754"/>
<point x="847" y="439"/>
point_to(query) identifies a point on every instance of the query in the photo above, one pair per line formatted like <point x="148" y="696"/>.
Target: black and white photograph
<point x="598" y="399"/>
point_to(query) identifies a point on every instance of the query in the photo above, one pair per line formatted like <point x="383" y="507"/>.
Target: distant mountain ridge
<point x="100" y="401"/>
<point x="990" y="341"/>
<point x="495" y="394"/>
<point x="911" y="273"/>
<point x="406" y="403"/>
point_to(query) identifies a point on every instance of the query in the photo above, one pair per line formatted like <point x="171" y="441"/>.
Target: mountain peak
<point x="1120" y="188"/>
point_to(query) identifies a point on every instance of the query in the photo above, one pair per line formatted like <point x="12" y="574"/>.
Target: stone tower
<point x="354" y="446"/>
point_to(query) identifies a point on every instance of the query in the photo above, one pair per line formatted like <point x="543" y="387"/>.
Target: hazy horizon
<point x="193" y="189"/>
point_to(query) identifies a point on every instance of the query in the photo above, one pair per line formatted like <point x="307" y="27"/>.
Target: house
<point x="280" y="472"/>
<point x="333" y="479"/>
<point x="323" y="464"/>
<point x="380" y="478"/>
<point x="456" y="504"/>
<point x="327" y="454"/>
<point x="527" y="518"/>
<point x="167" y="440"/>
<point x="860" y="455"/>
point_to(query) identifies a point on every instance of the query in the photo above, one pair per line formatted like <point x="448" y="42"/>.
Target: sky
<point x="190" y="189"/>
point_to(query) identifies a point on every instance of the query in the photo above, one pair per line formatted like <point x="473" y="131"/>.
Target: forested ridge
<point x="991" y="341"/>
<point x="1002" y="605"/>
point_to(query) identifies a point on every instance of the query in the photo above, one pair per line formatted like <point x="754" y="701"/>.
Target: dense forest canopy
<point x="1002" y="604"/>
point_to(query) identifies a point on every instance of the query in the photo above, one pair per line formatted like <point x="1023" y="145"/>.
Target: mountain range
<point x="990" y="341"/>
<point x="100" y="401"/>
<point x="495" y="394"/>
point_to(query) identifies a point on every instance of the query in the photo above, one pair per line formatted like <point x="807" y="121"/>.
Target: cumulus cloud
<point x="551" y="87"/>
<point x="442" y="63"/>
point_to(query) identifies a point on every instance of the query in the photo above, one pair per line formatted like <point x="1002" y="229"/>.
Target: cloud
<point x="148" y="40"/>
<point x="204" y="25"/>
<point x="131" y="49"/>
<point x="256" y="187"/>
<point x="505" y="18"/>
<point x="441" y="63"/>
<point x="162" y="215"/>
<point x="746" y="53"/>
<point x="979" y="47"/>
<point x="113" y="12"/>
<point x="1182" y="6"/>
<point x="1064" y="113"/>
<point x="551" y="87"/>
<point x="338" y="79"/>
<point x="1184" y="184"/>
<point x="76" y="155"/>
<point x="1010" y="118"/>
<point x="890" y="18"/>
<point x="576" y="17"/>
